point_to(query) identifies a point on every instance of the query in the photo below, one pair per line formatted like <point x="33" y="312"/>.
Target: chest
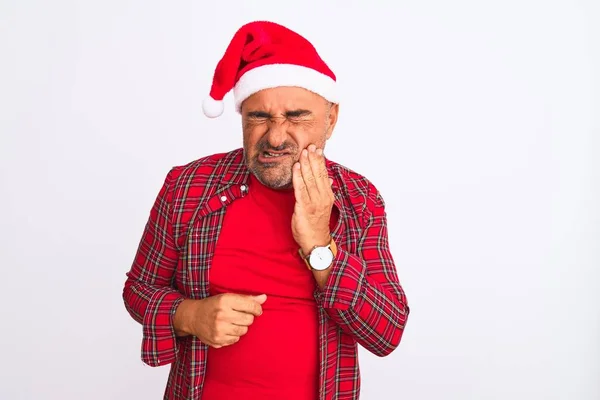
<point x="229" y="222"/>
<point x="256" y="252"/>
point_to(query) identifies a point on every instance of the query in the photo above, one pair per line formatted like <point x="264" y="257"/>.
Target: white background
<point x="477" y="120"/>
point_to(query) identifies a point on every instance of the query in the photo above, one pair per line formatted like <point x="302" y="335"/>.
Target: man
<point x="261" y="269"/>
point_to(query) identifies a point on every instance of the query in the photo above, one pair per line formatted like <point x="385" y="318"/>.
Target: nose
<point x="276" y="135"/>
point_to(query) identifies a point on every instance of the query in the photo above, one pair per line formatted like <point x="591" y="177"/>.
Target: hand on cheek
<point x="314" y="200"/>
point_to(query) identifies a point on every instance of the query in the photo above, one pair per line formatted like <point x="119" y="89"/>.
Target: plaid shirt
<point x="362" y="303"/>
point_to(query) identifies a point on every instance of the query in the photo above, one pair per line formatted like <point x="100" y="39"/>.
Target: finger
<point x="318" y="168"/>
<point x="228" y="340"/>
<point x="236" y="330"/>
<point x="248" y="304"/>
<point x="260" y="299"/>
<point x="232" y="340"/>
<point x="300" y="190"/>
<point x="241" y="318"/>
<point x="307" y="175"/>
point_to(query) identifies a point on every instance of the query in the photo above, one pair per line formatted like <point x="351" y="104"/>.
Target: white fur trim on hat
<point x="277" y="75"/>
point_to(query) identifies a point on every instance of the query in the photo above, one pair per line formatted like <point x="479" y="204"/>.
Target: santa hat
<point x="264" y="55"/>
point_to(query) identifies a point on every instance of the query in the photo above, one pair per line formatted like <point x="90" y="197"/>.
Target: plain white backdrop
<point x="477" y="120"/>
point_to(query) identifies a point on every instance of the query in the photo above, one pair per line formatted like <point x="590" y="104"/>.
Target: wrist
<point x="182" y="318"/>
<point x="324" y="257"/>
<point x="308" y="247"/>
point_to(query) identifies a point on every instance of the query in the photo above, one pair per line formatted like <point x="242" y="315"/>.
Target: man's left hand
<point x="314" y="200"/>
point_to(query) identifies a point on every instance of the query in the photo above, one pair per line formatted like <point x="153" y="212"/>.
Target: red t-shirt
<point x="256" y="253"/>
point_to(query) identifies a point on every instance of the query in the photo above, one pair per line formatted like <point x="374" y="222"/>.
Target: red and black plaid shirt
<point x="362" y="302"/>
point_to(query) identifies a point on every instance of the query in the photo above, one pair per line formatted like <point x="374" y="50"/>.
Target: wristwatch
<point x="321" y="257"/>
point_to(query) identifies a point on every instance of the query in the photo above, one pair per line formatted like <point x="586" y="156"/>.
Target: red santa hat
<point x="264" y="55"/>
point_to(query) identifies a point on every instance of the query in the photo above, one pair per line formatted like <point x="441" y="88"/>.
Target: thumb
<point x="260" y="299"/>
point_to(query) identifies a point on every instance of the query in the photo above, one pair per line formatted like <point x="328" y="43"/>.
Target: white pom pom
<point x="212" y="108"/>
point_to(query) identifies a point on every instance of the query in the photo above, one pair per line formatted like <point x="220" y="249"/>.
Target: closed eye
<point x="258" y="115"/>
<point x="295" y="114"/>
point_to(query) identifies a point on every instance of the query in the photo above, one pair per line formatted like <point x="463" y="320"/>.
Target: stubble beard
<point x="275" y="175"/>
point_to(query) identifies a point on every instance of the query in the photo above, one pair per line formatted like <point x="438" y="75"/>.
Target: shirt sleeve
<point x="363" y="295"/>
<point x="148" y="295"/>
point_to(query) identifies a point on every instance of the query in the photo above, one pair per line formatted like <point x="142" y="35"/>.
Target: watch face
<point x="321" y="258"/>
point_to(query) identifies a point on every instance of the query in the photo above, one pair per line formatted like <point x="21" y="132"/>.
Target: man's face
<point x="278" y="124"/>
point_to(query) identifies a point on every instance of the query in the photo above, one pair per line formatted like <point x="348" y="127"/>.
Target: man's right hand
<point x="218" y="320"/>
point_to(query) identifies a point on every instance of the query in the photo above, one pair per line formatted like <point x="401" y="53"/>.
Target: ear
<point x="333" y="117"/>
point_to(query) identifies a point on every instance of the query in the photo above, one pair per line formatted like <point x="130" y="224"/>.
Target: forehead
<point x="283" y="98"/>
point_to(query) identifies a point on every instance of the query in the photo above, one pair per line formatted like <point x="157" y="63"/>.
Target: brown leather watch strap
<point x="331" y="245"/>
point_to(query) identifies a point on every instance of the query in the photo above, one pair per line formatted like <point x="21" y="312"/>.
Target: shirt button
<point x="223" y="198"/>
<point x="244" y="188"/>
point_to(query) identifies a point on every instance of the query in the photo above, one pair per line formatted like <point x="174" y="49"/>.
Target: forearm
<point x="148" y="294"/>
<point x="321" y="277"/>
<point x="154" y="307"/>
<point x="374" y="311"/>
<point x="376" y="321"/>
<point x="140" y="296"/>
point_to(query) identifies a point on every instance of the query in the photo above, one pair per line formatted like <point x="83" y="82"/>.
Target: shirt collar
<point x="235" y="171"/>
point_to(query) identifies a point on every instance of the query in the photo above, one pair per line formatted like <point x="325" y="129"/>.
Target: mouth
<point x="270" y="156"/>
